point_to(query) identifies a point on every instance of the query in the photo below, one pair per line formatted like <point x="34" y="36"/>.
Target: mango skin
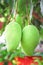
<point x="30" y="39"/>
<point x="12" y="35"/>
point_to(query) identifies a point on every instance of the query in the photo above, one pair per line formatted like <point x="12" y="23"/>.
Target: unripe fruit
<point x="12" y="35"/>
<point x="30" y="38"/>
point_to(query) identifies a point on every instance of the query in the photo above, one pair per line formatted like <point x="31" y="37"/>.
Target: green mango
<point x="12" y="35"/>
<point x="30" y="39"/>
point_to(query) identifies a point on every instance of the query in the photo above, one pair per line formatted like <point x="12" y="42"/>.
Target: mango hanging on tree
<point x="12" y="35"/>
<point x="30" y="39"/>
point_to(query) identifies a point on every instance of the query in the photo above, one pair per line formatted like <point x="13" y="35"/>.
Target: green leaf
<point x="1" y="59"/>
